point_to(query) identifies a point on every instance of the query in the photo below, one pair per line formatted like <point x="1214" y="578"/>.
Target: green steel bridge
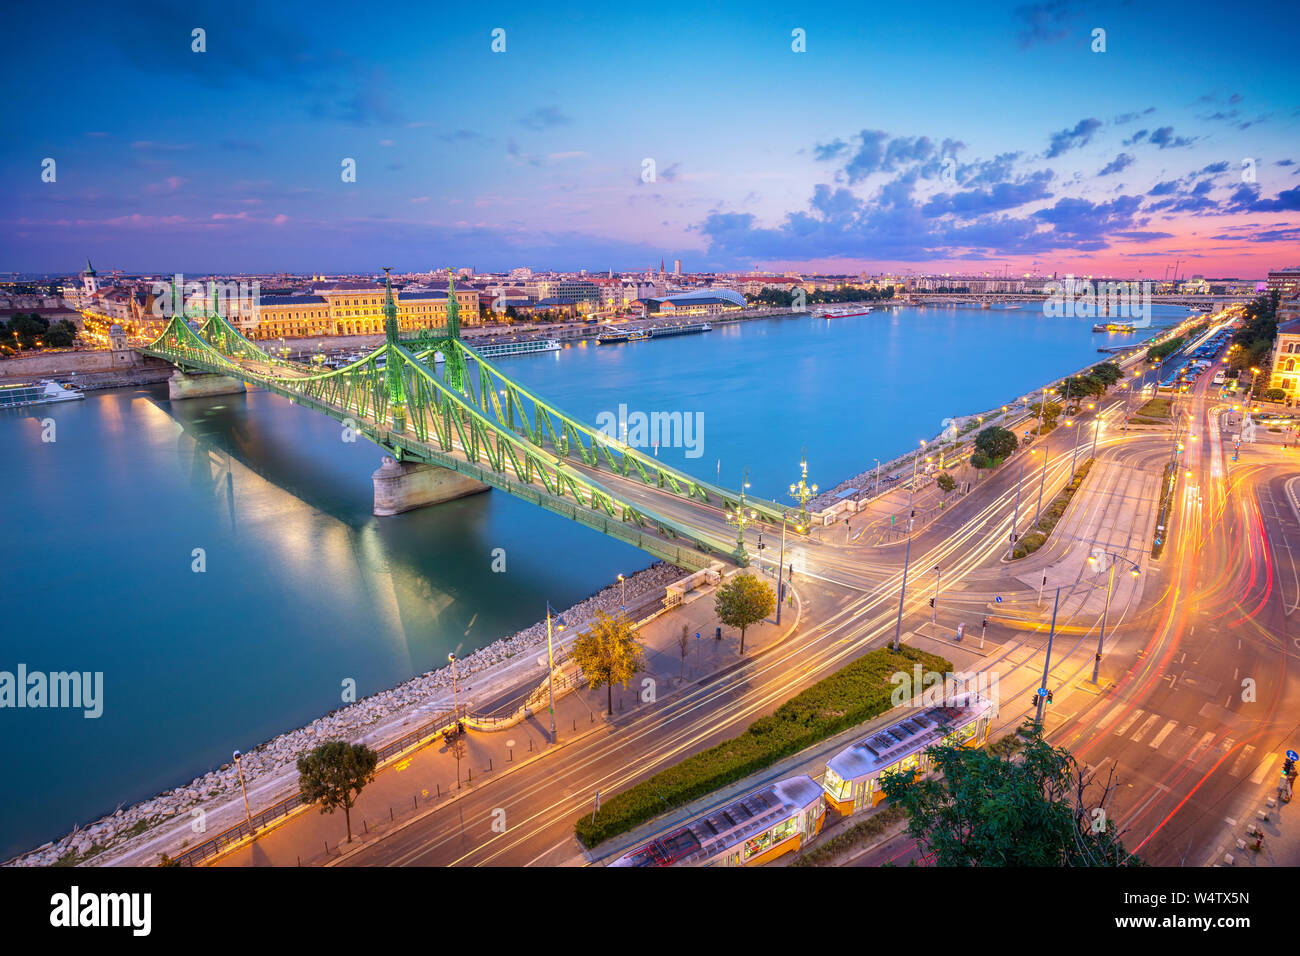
<point x="425" y="396"/>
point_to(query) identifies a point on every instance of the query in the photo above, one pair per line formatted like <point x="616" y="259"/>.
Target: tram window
<point x="785" y="829"/>
<point x="758" y="844"/>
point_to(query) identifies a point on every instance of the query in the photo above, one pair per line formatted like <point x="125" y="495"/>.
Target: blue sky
<point x="933" y="137"/>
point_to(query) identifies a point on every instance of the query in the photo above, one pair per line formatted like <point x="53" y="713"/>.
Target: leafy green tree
<point x="994" y="444"/>
<point x="1108" y="373"/>
<point x="1274" y="394"/>
<point x="334" y="774"/>
<point x="608" y="654"/>
<point x="743" y="601"/>
<point x="1081" y="386"/>
<point x="1050" y="411"/>
<point x="947" y="484"/>
<point x="1035" y="808"/>
<point x="61" y="335"/>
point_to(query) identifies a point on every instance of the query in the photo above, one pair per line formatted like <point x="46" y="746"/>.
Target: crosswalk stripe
<point x="1146" y="725"/>
<point x="1201" y="746"/>
<point x="1262" y="769"/>
<point x="1159" y="738"/>
<point x="1128" y="722"/>
<point x="1243" y="758"/>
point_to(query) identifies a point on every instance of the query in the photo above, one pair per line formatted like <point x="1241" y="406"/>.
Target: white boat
<point x="493" y="349"/>
<point x="842" y="313"/>
<point x="44" y="392"/>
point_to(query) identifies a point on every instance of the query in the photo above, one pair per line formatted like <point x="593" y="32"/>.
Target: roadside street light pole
<point x="1105" y="614"/>
<point x="1096" y="426"/>
<point x="907" y="557"/>
<point x="877" y="488"/>
<point x="455" y="699"/>
<point x="1015" y="517"/>
<point x="1078" y="431"/>
<point x="550" y="671"/>
<point x="1038" y="509"/>
<point x="1047" y="663"/>
<point x="247" y="815"/>
<point x="934" y="605"/>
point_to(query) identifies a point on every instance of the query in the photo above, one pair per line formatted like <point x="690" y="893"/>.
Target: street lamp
<point x="1038" y="509"/>
<point x="622" y="600"/>
<point x="1110" y="584"/>
<point x="780" y="564"/>
<point x="1074" y="457"/>
<point x="550" y="666"/>
<point x="934" y="603"/>
<point x="1015" y="516"/>
<point x="455" y="700"/>
<point x="907" y="557"/>
<point x="240" y="767"/>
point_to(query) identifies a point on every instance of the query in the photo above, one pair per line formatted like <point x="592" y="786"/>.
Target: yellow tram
<point x="758" y="827"/>
<point x="852" y="780"/>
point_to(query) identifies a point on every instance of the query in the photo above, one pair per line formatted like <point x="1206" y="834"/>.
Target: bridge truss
<point x="428" y="397"/>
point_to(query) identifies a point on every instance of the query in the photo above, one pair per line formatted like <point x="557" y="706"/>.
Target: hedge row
<point x="855" y="693"/>
<point x="873" y="826"/>
<point x="1034" y="540"/>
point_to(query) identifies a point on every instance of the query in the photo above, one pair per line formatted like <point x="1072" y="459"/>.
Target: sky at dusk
<point x="934" y="137"/>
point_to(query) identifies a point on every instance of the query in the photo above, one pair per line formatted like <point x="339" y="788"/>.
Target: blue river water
<point x="303" y="587"/>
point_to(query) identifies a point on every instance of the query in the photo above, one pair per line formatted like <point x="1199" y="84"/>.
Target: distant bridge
<point x="464" y="415"/>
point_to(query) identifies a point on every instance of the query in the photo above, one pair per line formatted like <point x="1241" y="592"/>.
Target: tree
<point x="1050" y="412"/>
<point x="61" y="335"/>
<point x="1078" y="387"/>
<point x="1108" y="373"/>
<point x="947" y="484"/>
<point x="993" y="444"/>
<point x="334" y="775"/>
<point x="1274" y="394"/>
<point x="608" y="654"/>
<point x="1029" y="809"/>
<point x="742" y="601"/>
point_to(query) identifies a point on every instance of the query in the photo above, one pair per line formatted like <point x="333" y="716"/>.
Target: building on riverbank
<point x="352" y="308"/>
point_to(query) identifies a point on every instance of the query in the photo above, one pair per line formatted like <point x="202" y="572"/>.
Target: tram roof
<point x="912" y="734"/>
<point x="712" y="832"/>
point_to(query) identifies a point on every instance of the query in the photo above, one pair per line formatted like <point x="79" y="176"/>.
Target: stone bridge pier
<point x="405" y="486"/>
<point x="201" y="385"/>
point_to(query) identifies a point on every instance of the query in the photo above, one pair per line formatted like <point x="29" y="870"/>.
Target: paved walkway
<point x="430" y="777"/>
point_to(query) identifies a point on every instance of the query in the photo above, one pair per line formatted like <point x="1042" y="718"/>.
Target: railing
<point x="246" y="828"/>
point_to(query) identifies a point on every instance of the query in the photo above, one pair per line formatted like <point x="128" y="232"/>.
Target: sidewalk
<point x="429" y="777"/>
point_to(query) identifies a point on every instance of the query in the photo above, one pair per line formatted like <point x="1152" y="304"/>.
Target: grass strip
<point x="855" y="693"/>
<point x="870" y="828"/>
<point x="1034" y="540"/>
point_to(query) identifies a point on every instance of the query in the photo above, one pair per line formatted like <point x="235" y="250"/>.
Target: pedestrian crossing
<point x="1184" y="743"/>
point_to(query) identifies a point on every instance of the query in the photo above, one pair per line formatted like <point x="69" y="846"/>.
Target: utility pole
<point x="1047" y="662"/>
<point x="907" y="557"/>
<point x="1038" y="509"/>
<point x="550" y="670"/>
<point x="1078" y="432"/>
<point x="934" y="604"/>
<point x="1096" y="425"/>
<point x="1015" y="517"/>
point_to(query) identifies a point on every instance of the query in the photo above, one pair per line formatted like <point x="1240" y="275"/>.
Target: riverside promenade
<point x="431" y="778"/>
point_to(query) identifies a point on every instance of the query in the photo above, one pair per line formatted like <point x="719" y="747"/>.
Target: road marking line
<point x="1137" y="734"/>
<point x="1201" y="746"/>
<point x="1159" y="738"/>
<point x="1128" y="722"/>
<point x="1243" y="758"/>
<point x="1262" y="769"/>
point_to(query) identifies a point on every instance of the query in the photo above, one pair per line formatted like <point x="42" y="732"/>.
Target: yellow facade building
<point x="352" y="309"/>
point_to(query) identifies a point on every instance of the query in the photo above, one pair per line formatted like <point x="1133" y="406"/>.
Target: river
<point x="303" y="588"/>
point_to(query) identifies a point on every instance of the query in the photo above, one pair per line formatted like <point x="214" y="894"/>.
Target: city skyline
<point x="951" y="140"/>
